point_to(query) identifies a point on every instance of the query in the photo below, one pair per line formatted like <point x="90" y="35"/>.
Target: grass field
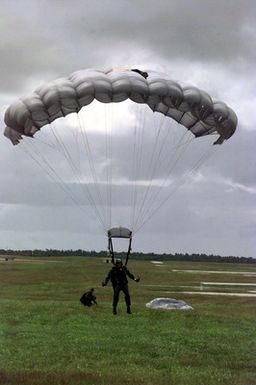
<point x="48" y="338"/>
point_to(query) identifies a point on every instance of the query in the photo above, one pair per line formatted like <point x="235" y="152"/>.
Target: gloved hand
<point x="137" y="279"/>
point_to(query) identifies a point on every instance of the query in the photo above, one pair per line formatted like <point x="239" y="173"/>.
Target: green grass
<point x="48" y="338"/>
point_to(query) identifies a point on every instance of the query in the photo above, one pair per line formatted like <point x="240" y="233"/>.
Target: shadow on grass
<point x="62" y="378"/>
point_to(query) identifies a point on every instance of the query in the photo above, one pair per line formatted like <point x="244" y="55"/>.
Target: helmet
<point x="118" y="261"/>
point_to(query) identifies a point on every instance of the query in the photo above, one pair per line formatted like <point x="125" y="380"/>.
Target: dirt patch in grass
<point x="60" y="378"/>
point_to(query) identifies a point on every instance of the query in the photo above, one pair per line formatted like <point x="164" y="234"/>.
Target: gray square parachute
<point x="191" y="107"/>
<point x="168" y="304"/>
<point x="127" y="143"/>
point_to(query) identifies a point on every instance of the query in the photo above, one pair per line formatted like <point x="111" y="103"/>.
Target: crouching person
<point x="88" y="298"/>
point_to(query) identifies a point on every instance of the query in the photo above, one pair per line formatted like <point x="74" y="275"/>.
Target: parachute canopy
<point x="190" y="106"/>
<point x="124" y="159"/>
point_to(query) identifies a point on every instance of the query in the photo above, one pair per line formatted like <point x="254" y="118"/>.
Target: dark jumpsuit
<point x="88" y="299"/>
<point x="118" y="278"/>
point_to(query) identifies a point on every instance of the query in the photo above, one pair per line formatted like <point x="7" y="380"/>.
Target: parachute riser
<point x="128" y="251"/>
<point x="119" y="233"/>
<point x="111" y="251"/>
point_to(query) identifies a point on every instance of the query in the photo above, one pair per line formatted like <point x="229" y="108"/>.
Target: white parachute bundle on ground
<point x="168" y="304"/>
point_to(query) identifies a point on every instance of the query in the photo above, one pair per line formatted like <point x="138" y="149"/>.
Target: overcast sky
<point x="206" y="43"/>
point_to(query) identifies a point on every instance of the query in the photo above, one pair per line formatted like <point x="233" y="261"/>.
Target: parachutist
<point x="118" y="277"/>
<point x="88" y="298"/>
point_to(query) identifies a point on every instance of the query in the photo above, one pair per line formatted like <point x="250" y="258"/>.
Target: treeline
<point x="135" y="255"/>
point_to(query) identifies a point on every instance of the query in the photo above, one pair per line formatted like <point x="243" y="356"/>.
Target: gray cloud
<point x="84" y="34"/>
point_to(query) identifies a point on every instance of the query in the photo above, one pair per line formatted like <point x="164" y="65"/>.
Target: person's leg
<point x="115" y="298"/>
<point x="127" y="298"/>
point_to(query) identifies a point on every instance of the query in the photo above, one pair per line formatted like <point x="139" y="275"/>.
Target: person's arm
<point x="127" y="272"/>
<point x="130" y="275"/>
<point x="94" y="299"/>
